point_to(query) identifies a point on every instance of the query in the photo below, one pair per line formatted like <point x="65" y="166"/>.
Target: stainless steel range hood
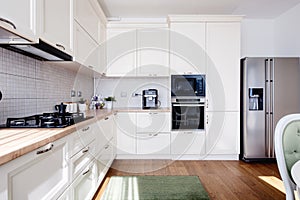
<point x="39" y="50"/>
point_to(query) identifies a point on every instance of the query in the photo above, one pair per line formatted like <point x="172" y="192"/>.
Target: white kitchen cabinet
<point x="153" y="122"/>
<point x="86" y="50"/>
<point x="82" y="137"/>
<point x="126" y="133"/>
<point x="40" y="174"/>
<point x="57" y="23"/>
<point x="86" y="15"/>
<point x="81" y="159"/>
<point x="222" y="133"/>
<point x="105" y="131"/>
<point x="153" y="52"/>
<point x="223" y="66"/>
<point x="23" y="14"/>
<point x="121" y="52"/>
<point x="187" y="48"/>
<point x="84" y="186"/>
<point x="187" y="143"/>
<point x="153" y="143"/>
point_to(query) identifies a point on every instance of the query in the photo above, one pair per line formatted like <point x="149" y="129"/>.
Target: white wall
<point x="287" y="33"/>
<point x="272" y="37"/>
<point x="257" y="37"/>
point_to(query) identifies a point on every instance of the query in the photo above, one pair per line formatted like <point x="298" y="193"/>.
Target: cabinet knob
<point x="85" y="150"/>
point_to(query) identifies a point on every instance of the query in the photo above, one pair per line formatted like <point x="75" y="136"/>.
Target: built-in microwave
<point x="188" y="85"/>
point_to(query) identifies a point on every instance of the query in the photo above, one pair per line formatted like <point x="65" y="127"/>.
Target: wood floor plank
<point x="232" y="180"/>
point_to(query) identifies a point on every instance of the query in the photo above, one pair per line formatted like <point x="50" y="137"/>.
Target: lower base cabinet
<point x="153" y="143"/>
<point x="187" y="143"/>
<point x="40" y="174"/>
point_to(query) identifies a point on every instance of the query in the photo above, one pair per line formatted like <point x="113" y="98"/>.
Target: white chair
<point x="287" y="149"/>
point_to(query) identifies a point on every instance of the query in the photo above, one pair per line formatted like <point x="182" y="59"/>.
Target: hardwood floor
<point x="233" y="180"/>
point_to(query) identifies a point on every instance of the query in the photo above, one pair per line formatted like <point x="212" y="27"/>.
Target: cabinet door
<point x="41" y="174"/>
<point x="121" y="52"/>
<point x="153" y="122"/>
<point x="222" y="133"/>
<point x="86" y="16"/>
<point x="153" y="143"/>
<point x="223" y="66"/>
<point x="153" y="52"/>
<point x="126" y="133"/>
<point x="187" y="48"/>
<point x="86" y="50"/>
<point x="22" y="14"/>
<point x="187" y="143"/>
<point x="57" y="20"/>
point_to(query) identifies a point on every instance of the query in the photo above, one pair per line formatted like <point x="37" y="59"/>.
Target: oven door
<point x="187" y="116"/>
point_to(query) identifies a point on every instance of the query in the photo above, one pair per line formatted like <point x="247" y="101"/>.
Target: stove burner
<point x="46" y="120"/>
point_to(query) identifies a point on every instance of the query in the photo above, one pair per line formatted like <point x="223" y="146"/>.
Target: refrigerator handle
<point x="267" y="104"/>
<point x="272" y="150"/>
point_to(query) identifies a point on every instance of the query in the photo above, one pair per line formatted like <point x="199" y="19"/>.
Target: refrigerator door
<point x="286" y="92"/>
<point x="254" y="120"/>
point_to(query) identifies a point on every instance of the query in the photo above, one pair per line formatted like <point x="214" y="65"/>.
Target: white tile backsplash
<point x="30" y="86"/>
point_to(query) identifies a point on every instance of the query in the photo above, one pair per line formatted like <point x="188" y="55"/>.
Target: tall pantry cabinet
<point x="216" y="41"/>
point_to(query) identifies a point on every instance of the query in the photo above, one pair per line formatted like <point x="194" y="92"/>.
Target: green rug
<point x="154" y="187"/>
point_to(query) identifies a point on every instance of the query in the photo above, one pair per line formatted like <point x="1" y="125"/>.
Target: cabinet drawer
<point x="154" y="122"/>
<point x="106" y="156"/>
<point x="183" y="143"/>
<point x="81" y="138"/>
<point x="104" y="131"/>
<point x="153" y="143"/>
<point x="81" y="159"/>
<point x="41" y="174"/>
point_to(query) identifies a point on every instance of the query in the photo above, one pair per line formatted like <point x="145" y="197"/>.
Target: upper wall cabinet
<point x="137" y="50"/>
<point x="153" y="52"/>
<point x="22" y="15"/>
<point x="86" y="15"/>
<point x="187" y="48"/>
<point x="223" y="66"/>
<point x="57" y="23"/>
<point x="121" y="52"/>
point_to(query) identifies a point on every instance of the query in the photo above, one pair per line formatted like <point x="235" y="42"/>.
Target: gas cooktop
<point x="46" y="120"/>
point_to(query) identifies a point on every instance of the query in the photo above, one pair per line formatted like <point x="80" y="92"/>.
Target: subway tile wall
<point x="30" y="86"/>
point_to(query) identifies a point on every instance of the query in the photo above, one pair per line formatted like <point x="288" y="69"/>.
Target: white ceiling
<point x="161" y="8"/>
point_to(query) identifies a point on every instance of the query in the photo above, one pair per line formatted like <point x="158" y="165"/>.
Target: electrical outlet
<point x="73" y="93"/>
<point x="123" y="94"/>
<point x="79" y="93"/>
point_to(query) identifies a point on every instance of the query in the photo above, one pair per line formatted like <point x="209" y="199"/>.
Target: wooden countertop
<point x="15" y="142"/>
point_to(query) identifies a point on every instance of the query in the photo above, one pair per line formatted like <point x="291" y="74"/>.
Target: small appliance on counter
<point x="150" y="99"/>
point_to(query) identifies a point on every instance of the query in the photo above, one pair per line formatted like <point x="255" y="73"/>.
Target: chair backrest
<point x="287" y="149"/>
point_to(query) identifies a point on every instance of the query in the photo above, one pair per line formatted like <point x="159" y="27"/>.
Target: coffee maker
<point x="150" y="99"/>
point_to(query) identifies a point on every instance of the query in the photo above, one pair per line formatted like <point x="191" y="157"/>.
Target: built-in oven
<point x="192" y="85"/>
<point x="188" y="113"/>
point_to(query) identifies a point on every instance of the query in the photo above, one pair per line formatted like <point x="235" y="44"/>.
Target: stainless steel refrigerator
<point x="270" y="90"/>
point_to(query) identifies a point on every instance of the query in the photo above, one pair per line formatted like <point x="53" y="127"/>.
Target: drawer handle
<point x="87" y="171"/>
<point x="61" y="46"/>
<point x="106" y="118"/>
<point x="85" y="150"/>
<point x="90" y="66"/>
<point x="106" y="147"/>
<point x="48" y="148"/>
<point x="86" y="129"/>
<point x="188" y="133"/>
<point x="155" y="134"/>
<point x="8" y="22"/>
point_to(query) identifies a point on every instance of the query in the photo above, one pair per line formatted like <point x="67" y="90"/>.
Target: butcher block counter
<point x="15" y="142"/>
